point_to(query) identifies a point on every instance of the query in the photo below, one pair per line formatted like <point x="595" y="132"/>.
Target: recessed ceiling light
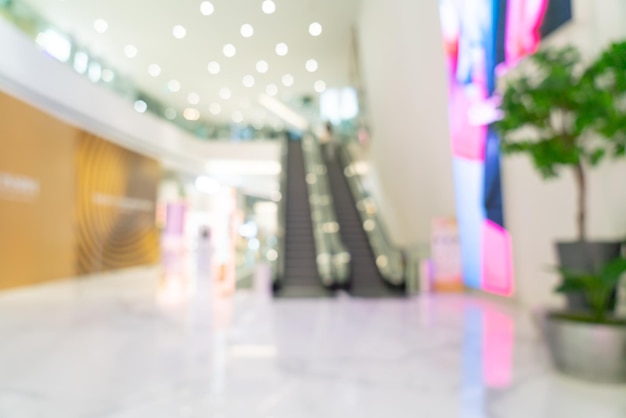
<point x="311" y="66"/>
<point x="141" y="106"/>
<point x="248" y="81"/>
<point x="262" y="66"/>
<point x="193" y="98"/>
<point x="206" y="8"/>
<point x="282" y="49"/>
<point x="287" y="80"/>
<point x="225" y="93"/>
<point x="173" y="85"/>
<point x="268" y="7"/>
<point x="170" y="113"/>
<point x="315" y="29"/>
<point x="94" y="72"/>
<point x="320" y="86"/>
<point x="237" y="116"/>
<point x="215" y="108"/>
<point x="229" y="50"/>
<point x="154" y="70"/>
<point x="130" y="51"/>
<point x="214" y="67"/>
<point x="107" y="75"/>
<point x="271" y="89"/>
<point x="247" y="30"/>
<point x="100" y="25"/>
<point x="179" y="32"/>
<point x="81" y="62"/>
<point x="191" y="114"/>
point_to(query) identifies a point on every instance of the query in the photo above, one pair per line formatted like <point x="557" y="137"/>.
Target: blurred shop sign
<point x="446" y="255"/>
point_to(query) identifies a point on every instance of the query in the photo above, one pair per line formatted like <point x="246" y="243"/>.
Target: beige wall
<point x="402" y="63"/>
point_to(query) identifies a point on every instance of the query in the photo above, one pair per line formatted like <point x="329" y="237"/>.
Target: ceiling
<point x="149" y="24"/>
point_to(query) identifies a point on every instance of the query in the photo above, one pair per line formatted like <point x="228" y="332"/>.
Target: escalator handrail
<point x="332" y="256"/>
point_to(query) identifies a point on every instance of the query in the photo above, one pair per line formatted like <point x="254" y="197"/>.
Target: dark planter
<point x="585" y="257"/>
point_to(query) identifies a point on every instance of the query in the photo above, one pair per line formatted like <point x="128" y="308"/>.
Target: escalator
<point x="367" y="280"/>
<point x="300" y="277"/>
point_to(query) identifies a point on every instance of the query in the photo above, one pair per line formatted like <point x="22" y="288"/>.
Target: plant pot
<point x="589" y="351"/>
<point x="583" y="257"/>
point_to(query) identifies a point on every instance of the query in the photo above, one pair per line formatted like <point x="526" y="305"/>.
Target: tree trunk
<point x="581" y="215"/>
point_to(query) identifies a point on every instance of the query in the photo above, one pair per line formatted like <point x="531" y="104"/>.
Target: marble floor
<point x="144" y="344"/>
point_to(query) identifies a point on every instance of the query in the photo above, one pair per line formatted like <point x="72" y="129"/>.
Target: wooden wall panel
<point x="37" y="237"/>
<point x="115" y="206"/>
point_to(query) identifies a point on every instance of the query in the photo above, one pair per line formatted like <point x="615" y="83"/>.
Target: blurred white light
<point x="315" y="29"/>
<point x="248" y="230"/>
<point x="100" y="26"/>
<point x="95" y="72"/>
<point x="206" y="184"/>
<point x="193" y="98"/>
<point x="191" y="114"/>
<point x="215" y="109"/>
<point x="247" y="30"/>
<point x="225" y="93"/>
<point x="214" y="67"/>
<point x="320" y="86"/>
<point x="229" y="50"/>
<point x="339" y="104"/>
<point x="271" y="89"/>
<point x="55" y="44"/>
<point x="276" y="196"/>
<point x="254" y="244"/>
<point x="287" y="80"/>
<point x="207" y="8"/>
<point x="272" y="255"/>
<point x="141" y="106"/>
<point x="130" y="51"/>
<point x="237" y="116"/>
<point x="174" y="86"/>
<point x="248" y="81"/>
<point x="282" y="49"/>
<point x="268" y="7"/>
<point x="81" y="62"/>
<point x="170" y="113"/>
<point x="108" y="75"/>
<point x="179" y="32"/>
<point x="262" y="66"/>
<point x="311" y="66"/>
<point x="154" y="70"/>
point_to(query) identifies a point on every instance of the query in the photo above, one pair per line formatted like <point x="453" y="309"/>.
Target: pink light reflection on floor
<point x="497" y="263"/>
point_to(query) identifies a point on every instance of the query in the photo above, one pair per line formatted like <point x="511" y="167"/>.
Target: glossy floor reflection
<point x="153" y="343"/>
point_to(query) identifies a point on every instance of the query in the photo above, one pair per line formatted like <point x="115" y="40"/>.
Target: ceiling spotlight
<point x="193" y="98"/>
<point x="315" y="29"/>
<point x="271" y="90"/>
<point x="174" y="86"/>
<point x="262" y="66"/>
<point x="206" y="8"/>
<point x="214" y="67"/>
<point x="191" y="114"/>
<point x="311" y="66"/>
<point x="282" y="49"/>
<point x="320" y="86"/>
<point x="248" y="81"/>
<point x="130" y="51"/>
<point x="268" y="7"/>
<point x="287" y="80"/>
<point x="179" y="32"/>
<point x="215" y="108"/>
<point x="225" y="93"/>
<point x="170" y="113"/>
<point x="229" y="50"/>
<point x="107" y="75"/>
<point x="247" y="30"/>
<point x="141" y="106"/>
<point x="237" y="116"/>
<point x="154" y="70"/>
<point x="100" y="25"/>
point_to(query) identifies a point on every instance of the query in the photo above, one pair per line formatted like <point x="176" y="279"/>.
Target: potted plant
<point x="590" y="344"/>
<point x="566" y="116"/>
